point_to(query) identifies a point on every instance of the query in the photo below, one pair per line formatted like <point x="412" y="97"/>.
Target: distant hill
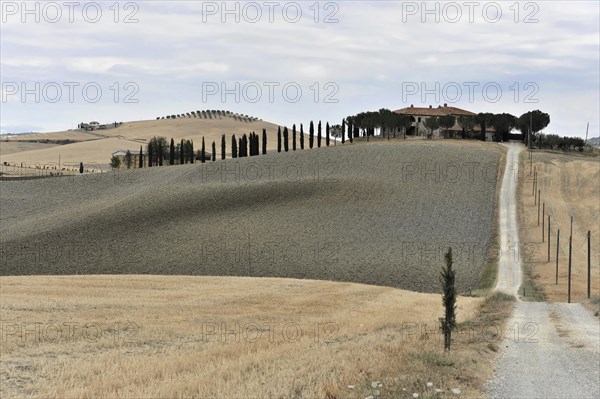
<point x="96" y="146"/>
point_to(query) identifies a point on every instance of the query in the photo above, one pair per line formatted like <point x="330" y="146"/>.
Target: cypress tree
<point x="279" y="139"/>
<point x="80" y="167"/>
<point x="202" y="151"/>
<point x="285" y="139"/>
<point x="319" y="134"/>
<point x="301" y="137"/>
<point x="234" y="151"/>
<point x="447" y="277"/>
<point x="160" y="153"/>
<point x="327" y="134"/>
<point x="150" y="153"/>
<point x="223" y="146"/>
<point x="182" y="152"/>
<point x="350" y="130"/>
<point x="172" y="152"/>
<point x="192" y="157"/>
<point x="141" y="160"/>
<point x="311" y="135"/>
<point x="214" y="151"/>
<point x="343" y="130"/>
<point x="294" y="137"/>
<point x="240" y="150"/>
<point x="245" y="143"/>
<point x="264" y="143"/>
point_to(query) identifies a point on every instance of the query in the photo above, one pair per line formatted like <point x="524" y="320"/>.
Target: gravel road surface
<point x="551" y="350"/>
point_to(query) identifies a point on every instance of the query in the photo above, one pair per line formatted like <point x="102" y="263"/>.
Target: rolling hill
<point x="94" y="148"/>
<point x="380" y="214"/>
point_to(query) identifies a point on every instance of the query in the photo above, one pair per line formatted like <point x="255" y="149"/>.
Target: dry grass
<point x="570" y="186"/>
<point x="157" y="338"/>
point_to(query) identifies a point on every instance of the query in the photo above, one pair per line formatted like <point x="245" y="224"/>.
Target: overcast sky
<point x="290" y="62"/>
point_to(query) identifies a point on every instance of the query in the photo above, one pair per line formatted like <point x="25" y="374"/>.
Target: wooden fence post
<point x="557" y="252"/>
<point x="543" y="215"/>
<point x="570" y="250"/>
<point x="589" y="266"/>
<point x="548" y="238"/>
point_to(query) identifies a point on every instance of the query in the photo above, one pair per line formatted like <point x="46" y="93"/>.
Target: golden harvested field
<point x="161" y="336"/>
<point x="570" y="186"/>
<point x="12" y="147"/>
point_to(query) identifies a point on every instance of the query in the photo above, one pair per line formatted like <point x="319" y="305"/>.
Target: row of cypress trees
<point x="247" y="145"/>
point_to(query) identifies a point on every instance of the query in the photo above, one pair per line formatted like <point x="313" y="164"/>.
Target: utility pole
<point x="586" y="139"/>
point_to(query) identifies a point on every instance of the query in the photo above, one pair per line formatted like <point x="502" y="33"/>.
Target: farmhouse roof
<point x="124" y="152"/>
<point x="430" y="111"/>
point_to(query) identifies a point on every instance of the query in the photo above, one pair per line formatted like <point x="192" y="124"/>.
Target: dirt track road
<point x="551" y="350"/>
<point x="509" y="268"/>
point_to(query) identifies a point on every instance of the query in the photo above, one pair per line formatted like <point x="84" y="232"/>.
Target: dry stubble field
<point x="570" y="186"/>
<point x="226" y="337"/>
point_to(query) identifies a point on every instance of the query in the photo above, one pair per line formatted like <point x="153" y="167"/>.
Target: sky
<point x="291" y="62"/>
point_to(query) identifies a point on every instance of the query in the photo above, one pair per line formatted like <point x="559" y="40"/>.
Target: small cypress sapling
<point x="80" y="167"/>
<point x="286" y="139"/>
<point x="264" y="142"/>
<point x="447" y="278"/>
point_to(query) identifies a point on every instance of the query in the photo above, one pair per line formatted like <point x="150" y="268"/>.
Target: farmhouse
<point x="419" y="115"/>
<point x="135" y="158"/>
